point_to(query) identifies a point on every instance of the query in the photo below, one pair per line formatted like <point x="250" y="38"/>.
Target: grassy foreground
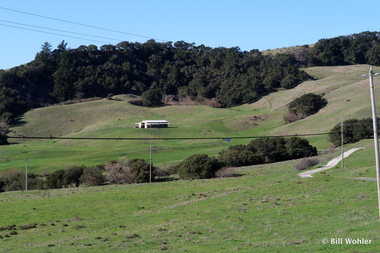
<point x="268" y="208"/>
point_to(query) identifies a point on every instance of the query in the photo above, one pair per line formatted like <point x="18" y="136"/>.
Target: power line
<point x="80" y="24"/>
<point x="226" y="138"/>
<point x="28" y="29"/>
<point x="159" y="138"/>
<point x="52" y="29"/>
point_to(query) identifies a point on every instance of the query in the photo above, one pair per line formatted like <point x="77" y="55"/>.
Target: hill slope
<point x="344" y="88"/>
<point x="267" y="209"/>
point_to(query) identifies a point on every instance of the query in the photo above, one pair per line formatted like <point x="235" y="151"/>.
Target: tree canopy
<point x="155" y="70"/>
<point x="353" y="130"/>
<point x="267" y="150"/>
<point x="361" y="48"/>
<point x="304" y="106"/>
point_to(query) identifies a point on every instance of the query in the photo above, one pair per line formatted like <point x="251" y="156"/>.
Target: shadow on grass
<point x="238" y="175"/>
<point x="166" y="179"/>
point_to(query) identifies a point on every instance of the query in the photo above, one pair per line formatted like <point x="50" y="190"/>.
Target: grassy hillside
<point x="345" y="89"/>
<point x="285" y="50"/>
<point x="267" y="209"/>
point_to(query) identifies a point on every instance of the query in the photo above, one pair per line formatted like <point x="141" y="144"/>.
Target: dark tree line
<point x="155" y="70"/>
<point x="258" y="151"/>
<point x="361" y="48"/>
<point x="134" y="171"/>
<point x="354" y="130"/>
<point x="267" y="150"/>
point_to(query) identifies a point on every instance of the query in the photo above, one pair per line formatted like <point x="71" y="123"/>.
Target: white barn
<point x="152" y="124"/>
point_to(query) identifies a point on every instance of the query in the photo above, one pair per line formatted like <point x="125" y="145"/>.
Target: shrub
<point x="292" y="117"/>
<point x="307" y="163"/>
<point x="14" y="180"/>
<point x="119" y="172"/>
<point x="172" y="169"/>
<point x="2" y="184"/>
<point x="298" y="148"/>
<point x="72" y="176"/>
<point x="109" y="96"/>
<point x="152" y="98"/>
<point x="199" y="166"/>
<point x="93" y="176"/>
<point x="353" y="130"/>
<point x="235" y="157"/>
<point x="4" y="127"/>
<point x="304" y="106"/>
<point x="213" y="102"/>
<point x="225" y="172"/>
<point x="55" y="180"/>
<point x="271" y="149"/>
<point x="141" y="170"/>
<point x="3" y="139"/>
<point x="160" y="172"/>
<point x="127" y="172"/>
<point x="275" y="149"/>
<point x="267" y="150"/>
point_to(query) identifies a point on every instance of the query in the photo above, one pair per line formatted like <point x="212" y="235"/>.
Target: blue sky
<point x="248" y="24"/>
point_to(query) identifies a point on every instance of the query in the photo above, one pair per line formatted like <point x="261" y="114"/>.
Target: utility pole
<point x="150" y="164"/>
<point x="26" y="174"/>
<point x="342" y="139"/>
<point x="375" y="134"/>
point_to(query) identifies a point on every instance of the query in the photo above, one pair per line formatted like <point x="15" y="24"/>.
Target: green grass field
<point x="267" y="208"/>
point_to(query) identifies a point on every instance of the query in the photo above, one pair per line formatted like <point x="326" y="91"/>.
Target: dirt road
<point x="329" y="165"/>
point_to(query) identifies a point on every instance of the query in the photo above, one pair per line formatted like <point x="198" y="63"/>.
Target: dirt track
<point x="329" y="165"/>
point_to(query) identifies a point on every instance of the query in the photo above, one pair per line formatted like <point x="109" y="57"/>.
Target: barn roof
<point x="156" y="121"/>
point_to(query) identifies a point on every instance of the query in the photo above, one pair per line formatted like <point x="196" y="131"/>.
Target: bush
<point x="304" y="106"/>
<point x="56" y="180"/>
<point x="141" y="171"/>
<point x="2" y="184"/>
<point x="93" y="176"/>
<point x="119" y="172"/>
<point x="267" y="150"/>
<point x="270" y="149"/>
<point x="307" y="163"/>
<point x="152" y="98"/>
<point x="225" y="172"/>
<point x="353" y="130"/>
<point x="4" y="127"/>
<point x="72" y="176"/>
<point x="234" y="157"/>
<point x="14" y="180"/>
<point x="275" y="149"/>
<point x="172" y="169"/>
<point x="292" y="117"/>
<point x="298" y="148"/>
<point x="160" y="172"/>
<point x="3" y="139"/>
<point x="127" y="172"/>
<point x="199" y="166"/>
